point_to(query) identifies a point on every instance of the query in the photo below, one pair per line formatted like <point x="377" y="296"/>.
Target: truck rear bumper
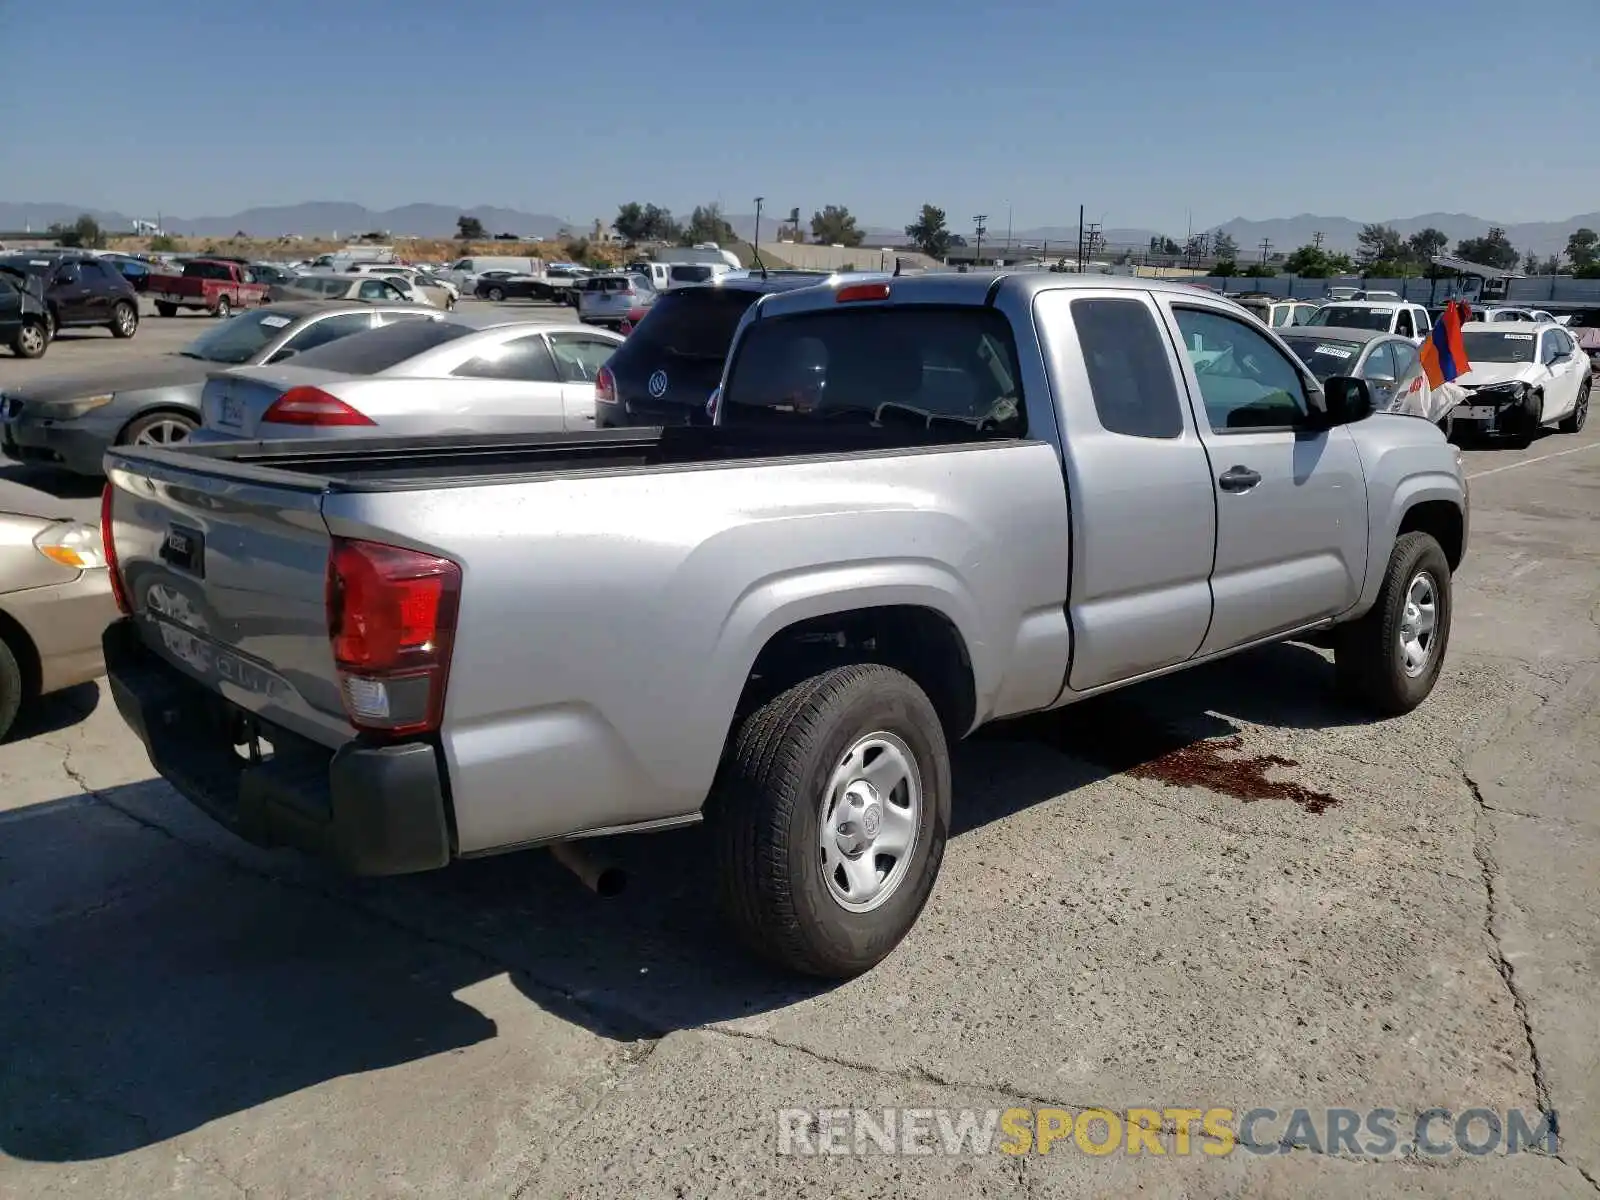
<point x="369" y="809"/>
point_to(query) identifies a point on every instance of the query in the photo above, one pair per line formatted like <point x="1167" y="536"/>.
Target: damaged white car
<point x="1523" y="378"/>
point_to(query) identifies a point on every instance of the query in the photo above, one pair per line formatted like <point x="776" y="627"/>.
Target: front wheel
<point x="31" y="340"/>
<point x="224" y="308"/>
<point x="1574" y="422"/>
<point x="11" y="688"/>
<point x="829" y="820"/>
<point x="1389" y="660"/>
<point x="159" y="429"/>
<point x="124" y="320"/>
<point x="497" y="295"/>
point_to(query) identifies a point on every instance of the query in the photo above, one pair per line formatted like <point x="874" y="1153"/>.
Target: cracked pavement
<point x="183" y="1013"/>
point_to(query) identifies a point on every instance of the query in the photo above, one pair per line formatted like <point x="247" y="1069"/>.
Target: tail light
<point x="392" y="624"/>
<point x="861" y="291"/>
<point x="108" y="540"/>
<point x="313" y="406"/>
<point x="605" y="387"/>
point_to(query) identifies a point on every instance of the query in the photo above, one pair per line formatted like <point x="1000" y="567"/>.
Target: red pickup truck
<point x="217" y="286"/>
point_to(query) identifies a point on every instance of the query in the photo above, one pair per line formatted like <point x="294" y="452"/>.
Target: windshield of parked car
<point x="1494" y="346"/>
<point x="697" y="324"/>
<point x="239" y="339"/>
<point x="1352" y="317"/>
<point x="905" y="367"/>
<point x="1325" y="356"/>
<point x="389" y="346"/>
<point x="25" y="265"/>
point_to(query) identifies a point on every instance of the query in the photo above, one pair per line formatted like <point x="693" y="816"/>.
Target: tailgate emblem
<point x="658" y="385"/>
<point x="185" y="549"/>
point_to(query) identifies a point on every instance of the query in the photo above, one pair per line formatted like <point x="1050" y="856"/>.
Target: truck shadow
<point x="56" y="711"/>
<point x="156" y="975"/>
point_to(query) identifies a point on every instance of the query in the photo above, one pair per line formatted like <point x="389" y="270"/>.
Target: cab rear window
<point x="917" y="365"/>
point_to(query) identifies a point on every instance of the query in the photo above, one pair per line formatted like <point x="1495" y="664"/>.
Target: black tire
<point x="32" y="339"/>
<point x="124" y="319"/>
<point x="765" y="816"/>
<point x="51" y="326"/>
<point x="135" y="428"/>
<point x="163" y="309"/>
<point x="1528" y="422"/>
<point x="11" y="688"/>
<point x="1370" y="664"/>
<point x="1580" y="412"/>
<point x="497" y="294"/>
<point x="224" y="308"/>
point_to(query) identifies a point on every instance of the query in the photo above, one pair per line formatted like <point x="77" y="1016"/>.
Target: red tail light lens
<point x="313" y="406"/>
<point x="392" y="624"/>
<point x="118" y="592"/>
<point x="862" y="291"/>
<point x="605" y="387"/>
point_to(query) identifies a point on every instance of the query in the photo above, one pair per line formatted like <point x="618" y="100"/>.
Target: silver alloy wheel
<point x="127" y="320"/>
<point x="1419" y="622"/>
<point x="164" y="432"/>
<point x="869" y="821"/>
<point x="1580" y="410"/>
<point x="32" y="339"/>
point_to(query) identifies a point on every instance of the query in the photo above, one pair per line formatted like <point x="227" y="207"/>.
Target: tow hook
<point x="599" y="875"/>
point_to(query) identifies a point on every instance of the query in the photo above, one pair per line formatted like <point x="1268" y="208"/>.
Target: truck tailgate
<point x="226" y="578"/>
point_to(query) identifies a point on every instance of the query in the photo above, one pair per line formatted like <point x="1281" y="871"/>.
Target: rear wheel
<point x="159" y="429"/>
<point x="224" y="308"/>
<point x="497" y="294"/>
<point x="163" y="309"/>
<point x="1580" y="411"/>
<point x="31" y="340"/>
<point x="829" y="820"/>
<point x="124" y="319"/>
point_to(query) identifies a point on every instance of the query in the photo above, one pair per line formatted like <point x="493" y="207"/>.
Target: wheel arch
<point x="20" y="642"/>
<point x="163" y="406"/>
<point x="1441" y="520"/>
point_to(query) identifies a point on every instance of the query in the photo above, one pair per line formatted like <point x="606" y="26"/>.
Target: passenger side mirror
<point x="1346" y="400"/>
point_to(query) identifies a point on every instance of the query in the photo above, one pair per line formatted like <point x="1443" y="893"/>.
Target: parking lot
<point x="1223" y="889"/>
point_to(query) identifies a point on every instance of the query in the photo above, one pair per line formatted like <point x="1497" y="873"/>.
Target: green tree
<point x="1223" y="245"/>
<point x="1592" y="271"/>
<point x="1225" y="267"/>
<point x="90" y="235"/>
<point x="578" y="251"/>
<point x="64" y="235"/>
<point x="1583" y="248"/>
<point x="630" y="222"/>
<point x="835" y="226"/>
<point x="707" y="224"/>
<point x="1260" y="271"/>
<point x="163" y="243"/>
<point x="1425" y="243"/>
<point x="1341" y="264"/>
<point x="929" y="232"/>
<point x="1493" y="249"/>
<point x="1309" y="261"/>
<point x="1379" y="244"/>
<point x="470" y="229"/>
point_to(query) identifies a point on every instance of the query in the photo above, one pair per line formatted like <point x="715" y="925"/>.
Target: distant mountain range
<point x="328" y="219"/>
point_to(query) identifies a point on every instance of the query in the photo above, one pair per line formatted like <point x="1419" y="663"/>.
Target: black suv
<point x="24" y="319"/>
<point x="665" y="372"/>
<point x="80" y="290"/>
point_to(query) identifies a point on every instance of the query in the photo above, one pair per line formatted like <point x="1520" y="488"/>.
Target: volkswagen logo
<point x="658" y="385"/>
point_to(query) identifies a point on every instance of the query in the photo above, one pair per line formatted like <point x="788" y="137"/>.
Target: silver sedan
<point x="420" y="377"/>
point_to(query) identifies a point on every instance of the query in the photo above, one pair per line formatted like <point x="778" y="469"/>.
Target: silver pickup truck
<point x="926" y="503"/>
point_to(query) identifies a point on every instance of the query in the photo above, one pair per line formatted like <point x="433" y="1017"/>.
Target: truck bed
<point x="460" y="460"/>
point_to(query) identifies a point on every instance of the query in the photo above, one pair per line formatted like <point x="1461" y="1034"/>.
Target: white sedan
<point x="1524" y="376"/>
<point x="416" y="377"/>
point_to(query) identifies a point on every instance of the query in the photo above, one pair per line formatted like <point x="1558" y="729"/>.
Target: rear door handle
<point x="1238" y="479"/>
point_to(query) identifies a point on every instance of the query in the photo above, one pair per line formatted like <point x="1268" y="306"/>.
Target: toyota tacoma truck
<point x="924" y="504"/>
<point x="215" y="285"/>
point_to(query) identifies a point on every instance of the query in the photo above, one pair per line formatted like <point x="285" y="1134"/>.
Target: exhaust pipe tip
<point x="603" y="878"/>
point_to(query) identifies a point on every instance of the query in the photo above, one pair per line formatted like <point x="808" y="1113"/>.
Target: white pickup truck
<point x="929" y="502"/>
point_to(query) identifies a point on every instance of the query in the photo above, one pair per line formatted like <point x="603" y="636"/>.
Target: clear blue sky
<point x="1143" y="110"/>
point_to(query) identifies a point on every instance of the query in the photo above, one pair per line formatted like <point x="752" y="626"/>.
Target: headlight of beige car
<point x="73" y="409"/>
<point x="72" y="544"/>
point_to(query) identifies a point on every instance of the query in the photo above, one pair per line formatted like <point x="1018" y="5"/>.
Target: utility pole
<point x="1266" y="249"/>
<point x="756" y="241"/>
<point x="1092" y="241"/>
<point x="1316" y="240"/>
<point x="979" y="229"/>
<point x="1008" y="229"/>
<point x="1080" y="239"/>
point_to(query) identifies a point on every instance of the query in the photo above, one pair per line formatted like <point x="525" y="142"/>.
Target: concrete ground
<point x="1404" y="915"/>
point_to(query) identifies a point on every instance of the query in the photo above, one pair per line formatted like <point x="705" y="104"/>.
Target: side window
<point x="1129" y="376"/>
<point x="68" y="274"/>
<point x="1245" y="381"/>
<point x="1380" y="364"/>
<point x="1552" y="347"/>
<point x="1402" y="323"/>
<point x="526" y="359"/>
<point x="1406" y="360"/>
<point x="579" y="358"/>
<point x="390" y="292"/>
<point x="374" y="289"/>
<point x="1282" y="314"/>
<point x="329" y="329"/>
<point x="1423" y="323"/>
